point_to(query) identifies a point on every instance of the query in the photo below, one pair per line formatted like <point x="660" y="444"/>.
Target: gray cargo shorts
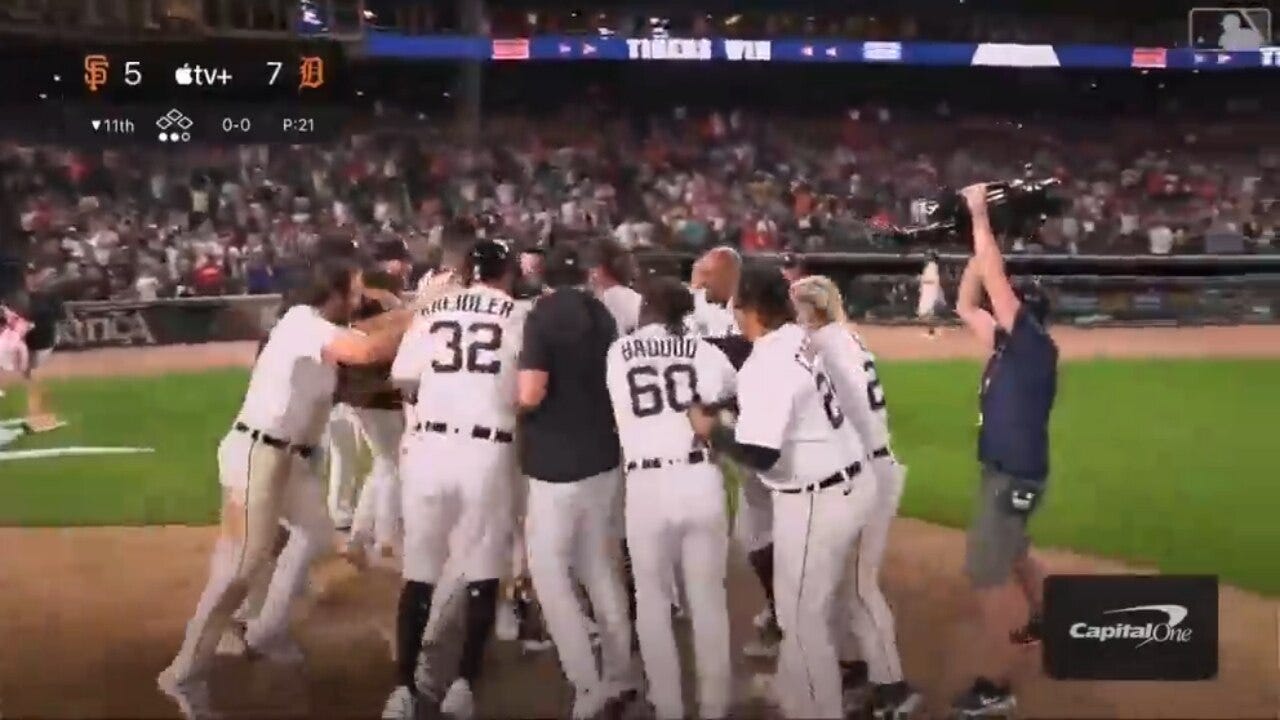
<point x="997" y="536"/>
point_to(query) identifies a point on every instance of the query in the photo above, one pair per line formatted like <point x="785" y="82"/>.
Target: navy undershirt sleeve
<point x="754" y="457"/>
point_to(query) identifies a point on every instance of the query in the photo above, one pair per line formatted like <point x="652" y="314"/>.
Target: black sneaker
<point x="895" y="701"/>
<point x="1029" y="634"/>
<point x="984" y="699"/>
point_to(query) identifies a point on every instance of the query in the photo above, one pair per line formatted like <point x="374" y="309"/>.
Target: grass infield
<point x="1161" y="462"/>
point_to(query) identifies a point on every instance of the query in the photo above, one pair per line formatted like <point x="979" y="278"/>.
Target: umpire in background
<point x="571" y="456"/>
<point x="1016" y="397"/>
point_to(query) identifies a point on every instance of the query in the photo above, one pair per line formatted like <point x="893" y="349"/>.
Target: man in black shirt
<point x="570" y="453"/>
<point x="1017" y="393"/>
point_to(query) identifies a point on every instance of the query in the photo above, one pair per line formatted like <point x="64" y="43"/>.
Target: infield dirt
<point x="89" y="616"/>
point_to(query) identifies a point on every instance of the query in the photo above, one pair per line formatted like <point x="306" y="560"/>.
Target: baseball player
<point x="266" y="469"/>
<point x="1016" y="396"/>
<point x="792" y="432"/>
<point x="675" y="511"/>
<point x="715" y="280"/>
<point x="379" y="413"/>
<point x="852" y="369"/>
<point x="342" y="435"/>
<point x="40" y="304"/>
<point x="931" y="298"/>
<point x="458" y="470"/>
<point x="610" y="272"/>
<point x="365" y="413"/>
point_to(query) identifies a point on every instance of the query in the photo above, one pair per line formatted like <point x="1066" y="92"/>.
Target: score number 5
<point x="275" y="66"/>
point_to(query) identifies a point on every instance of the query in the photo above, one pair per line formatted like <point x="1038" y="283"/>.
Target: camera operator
<point x="1016" y="397"/>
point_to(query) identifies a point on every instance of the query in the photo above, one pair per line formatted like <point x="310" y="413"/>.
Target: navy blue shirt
<point x="1018" y="387"/>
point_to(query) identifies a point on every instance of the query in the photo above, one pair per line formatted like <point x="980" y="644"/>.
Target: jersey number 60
<point x="647" y="394"/>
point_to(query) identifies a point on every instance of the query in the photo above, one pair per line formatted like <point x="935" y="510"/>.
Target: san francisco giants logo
<point x="95" y="71"/>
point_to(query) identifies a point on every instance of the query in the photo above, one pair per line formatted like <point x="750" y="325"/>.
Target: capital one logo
<point x="1164" y="630"/>
<point x="1270" y="56"/>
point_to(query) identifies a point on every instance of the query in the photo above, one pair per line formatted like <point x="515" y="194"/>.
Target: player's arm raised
<point x="990" y="264"/>
<point x="969" y="305"/>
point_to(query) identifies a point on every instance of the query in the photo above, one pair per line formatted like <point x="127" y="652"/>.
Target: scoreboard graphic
<point x="176" y="93"/>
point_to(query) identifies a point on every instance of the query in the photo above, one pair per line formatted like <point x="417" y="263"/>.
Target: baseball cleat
<point x="763" y="688"/>
<point x="855" y="688"/>
<point x="895" y="701"/>
<point x="532" y="632"/>
<point x="765" y="644"/>
<point x="191" y="695"/>
<point x="984" y="699"/>
<point x="590" y="704"/>
<point x="1029" y="634"/>
<point x="283" y="649"/>
<point x="459" y="703"/>
<point x="400" y="705"/>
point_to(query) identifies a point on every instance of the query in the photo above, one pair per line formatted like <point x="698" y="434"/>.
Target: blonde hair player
<point x="852" y="368"/>
<point x="265" y="465"/>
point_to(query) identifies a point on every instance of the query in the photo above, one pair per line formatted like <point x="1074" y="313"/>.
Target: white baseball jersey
<point x="709" y="319"/>
<point x="852" y="369"/>
<point x="461" y="353"/>
<point x="624" y="305"/>
<point x="653" y="378"/>
<point x="291" y="388"/>
<point x="787" y="402"/>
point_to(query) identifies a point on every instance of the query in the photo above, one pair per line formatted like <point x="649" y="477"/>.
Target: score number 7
<point x="275" y="66"/>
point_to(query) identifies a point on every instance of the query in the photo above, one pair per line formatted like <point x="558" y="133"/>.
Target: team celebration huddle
<point x="601" y="448"/>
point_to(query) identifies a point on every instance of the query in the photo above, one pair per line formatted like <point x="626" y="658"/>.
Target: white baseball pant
<point x="377" y="513"/>
<point x="569" y="534"/>
<point x="343" y="443"/>
<point x="813" y="542"/>
<point x="268" y="485"/>
<point x="676" y="519"/>
<point x="456" y="500"/>
<point x="864" y="621"/>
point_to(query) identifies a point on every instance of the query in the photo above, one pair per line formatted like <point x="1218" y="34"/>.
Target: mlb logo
<point x="1213" y="28"/>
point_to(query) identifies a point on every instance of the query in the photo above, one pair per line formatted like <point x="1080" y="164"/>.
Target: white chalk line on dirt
<point x="43" y="453"/>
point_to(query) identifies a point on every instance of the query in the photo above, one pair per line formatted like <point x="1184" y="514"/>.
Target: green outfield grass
<point x="1165" y="463"/>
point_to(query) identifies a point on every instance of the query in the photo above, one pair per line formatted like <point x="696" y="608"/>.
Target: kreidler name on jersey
<point x="471" y="302"/>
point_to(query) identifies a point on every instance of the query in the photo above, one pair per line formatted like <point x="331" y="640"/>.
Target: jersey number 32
<point x="468" y="348"/>
<point x="675" y="387"/>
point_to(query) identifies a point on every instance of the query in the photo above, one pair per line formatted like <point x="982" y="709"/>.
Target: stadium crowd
<point x="134" y="223"/>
